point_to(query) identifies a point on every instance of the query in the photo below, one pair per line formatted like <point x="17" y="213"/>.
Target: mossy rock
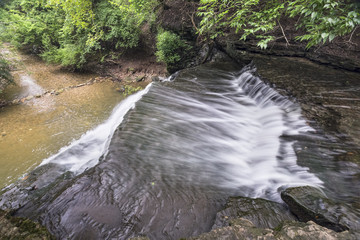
<point x="21" y="228"/>
<point x="263" y="213"/>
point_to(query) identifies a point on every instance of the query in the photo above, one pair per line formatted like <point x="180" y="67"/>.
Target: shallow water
<point x="38" y="128"/>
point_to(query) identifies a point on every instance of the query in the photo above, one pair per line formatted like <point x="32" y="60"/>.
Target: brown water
<point x="38" y="128"/>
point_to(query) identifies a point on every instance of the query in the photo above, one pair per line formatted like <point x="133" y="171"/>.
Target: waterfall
<point x="231" y="131"/>
<point x="86" y="152"/>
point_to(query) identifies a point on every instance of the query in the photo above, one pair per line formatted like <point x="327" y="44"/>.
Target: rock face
<point x="244" y="229"/>
<point x="262" y="213"/>
<point x="21" y="228"/>
<point x="309" y="230"/>
<point x="310" y="204"/>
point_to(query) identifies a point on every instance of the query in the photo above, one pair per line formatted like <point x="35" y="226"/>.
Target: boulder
<point x="262" y="213"/>
<point x="311" y="204"/>
<point x="244" y="229"/>
<point x="309" y="231"/>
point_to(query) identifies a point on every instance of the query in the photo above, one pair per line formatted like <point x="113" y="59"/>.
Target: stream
<point x="163" y="161"/>
<point x="39" y="127"/>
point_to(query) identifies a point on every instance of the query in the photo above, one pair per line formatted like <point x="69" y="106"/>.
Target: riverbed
<point x="54" y="112"/>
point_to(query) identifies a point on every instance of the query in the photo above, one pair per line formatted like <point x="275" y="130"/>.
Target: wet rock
<point x="311" y="204"/>
<point x="140" y="78"/>
<point x="309" y="230"/>
<point x="261" y="212"/>
<point x="244" y="229"/>
<point x="155" y="79"/>
<point x="21" y="228"/>
<point x="29" y="98"/>
<point x="131" y="70"/>
<point x="59" y="91"/>
<point x="16" y="101"/>
<point x="120" y="89"/>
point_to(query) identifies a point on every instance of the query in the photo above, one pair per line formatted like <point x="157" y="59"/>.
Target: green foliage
<point x="128" y="89"/>
<point x="5" y="75"/>
<point x="321" y="19"/>
<point x="71" y="32"/>
<point x="170" y="47"/>
<point x="252" y="17"/>
<point x="28" y="22"/>
<point x="78" y="12"/>
<point x="115" y="28"/>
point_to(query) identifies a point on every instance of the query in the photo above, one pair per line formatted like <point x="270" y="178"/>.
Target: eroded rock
<point x="263" y="213"/>
<point x="244" y="229"/>
<point x="310" y="204"/>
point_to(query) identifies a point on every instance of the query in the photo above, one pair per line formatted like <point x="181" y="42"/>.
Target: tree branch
<point x="352" y="34"/>
<point x="282" y="30"/>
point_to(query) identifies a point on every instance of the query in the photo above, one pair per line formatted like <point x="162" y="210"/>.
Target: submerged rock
<point x="263" y="213"/>
<point x="311" y="204"/>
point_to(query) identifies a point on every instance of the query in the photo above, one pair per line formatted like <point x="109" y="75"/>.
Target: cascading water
<point x="178" y="154"/>
<point x="235" y="125"/>
<point x="86" y="152"/>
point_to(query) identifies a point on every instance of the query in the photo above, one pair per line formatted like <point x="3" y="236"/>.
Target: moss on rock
<point x="21" y="228"/>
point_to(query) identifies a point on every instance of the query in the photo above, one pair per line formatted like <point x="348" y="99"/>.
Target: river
<point x="163" y="162"/>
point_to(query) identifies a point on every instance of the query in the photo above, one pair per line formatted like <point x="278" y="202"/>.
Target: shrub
<point x="5" y="75"/>
<point x="71" y="32"/>
<point x="170" y="48"/>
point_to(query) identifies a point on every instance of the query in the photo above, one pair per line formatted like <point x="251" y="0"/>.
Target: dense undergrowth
<point x="75" y="32"/>
<point x="5" y="76"/>
<point x="72" y="32"/>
